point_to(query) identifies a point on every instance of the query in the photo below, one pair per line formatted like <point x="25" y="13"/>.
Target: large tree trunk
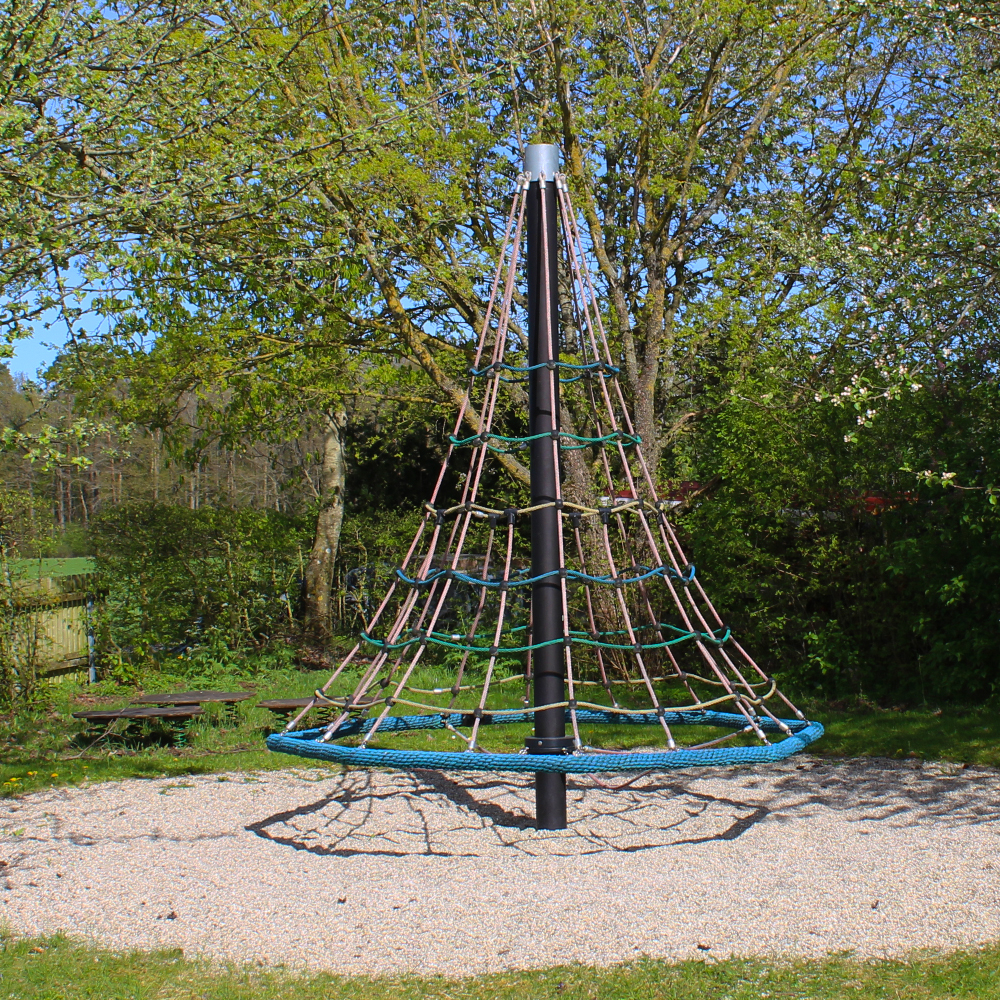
<point x="329" y="519"/>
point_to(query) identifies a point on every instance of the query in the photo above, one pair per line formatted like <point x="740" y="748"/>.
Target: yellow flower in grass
<point x="54" y="775"/>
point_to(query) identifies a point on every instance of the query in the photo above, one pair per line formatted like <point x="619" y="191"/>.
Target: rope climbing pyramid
<point x="577" y="609"/>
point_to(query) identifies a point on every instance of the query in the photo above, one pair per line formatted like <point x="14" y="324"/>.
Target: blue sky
<point x="50" y="333"/>
<point x="32" y="353"/>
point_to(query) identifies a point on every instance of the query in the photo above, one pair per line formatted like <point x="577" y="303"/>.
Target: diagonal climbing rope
<point x="452" y="639"/>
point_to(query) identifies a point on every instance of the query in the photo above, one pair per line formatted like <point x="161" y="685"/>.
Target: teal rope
<point x="595" y="368"/>
<point x="619" y="631"/>
<point x="570" y="574"/>
<point x="438" y="639"/>
<point x="583" y="442"/>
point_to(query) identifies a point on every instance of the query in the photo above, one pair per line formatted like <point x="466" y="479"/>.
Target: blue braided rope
<point x="308" y="744"/>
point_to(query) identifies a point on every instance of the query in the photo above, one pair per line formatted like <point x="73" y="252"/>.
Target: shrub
<point x="179" y="578"/>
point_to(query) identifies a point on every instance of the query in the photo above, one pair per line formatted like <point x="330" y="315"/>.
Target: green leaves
<point x="179" y="577"/>
<point x="290" y="210"/>
<point x="49" y="445"/>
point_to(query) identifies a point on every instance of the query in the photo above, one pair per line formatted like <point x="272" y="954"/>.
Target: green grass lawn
<point x="50" y="748"/>
<point x="32" y="569"/>
<point x="964" y="735"/>
<point x="58" y="969"/>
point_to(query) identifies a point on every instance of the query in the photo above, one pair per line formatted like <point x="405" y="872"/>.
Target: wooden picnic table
<point x="171" y="713"/>
<point x="285" y="707"/>
<point x="284" y="704"/>
<point x="193" y="698"/>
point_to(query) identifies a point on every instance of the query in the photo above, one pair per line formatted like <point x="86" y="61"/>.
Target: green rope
<point x="568" y="574"/>
<point x="598" y="368"/>
<point x="621" y="631"/>
<point x="438" y="639"/>
<point x="521" y="442"/>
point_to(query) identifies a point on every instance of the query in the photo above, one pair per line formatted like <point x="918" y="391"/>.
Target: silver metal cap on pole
<point x="541" y="158"/>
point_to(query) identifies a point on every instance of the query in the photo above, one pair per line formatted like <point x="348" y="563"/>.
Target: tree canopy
<point x="291" y="211"/>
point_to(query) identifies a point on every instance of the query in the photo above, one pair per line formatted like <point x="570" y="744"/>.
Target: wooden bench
<point x="193" y="698"/>
<point x="172" y="713"/>
<point x="284" y="707"/>
<point x="226" y="698"/>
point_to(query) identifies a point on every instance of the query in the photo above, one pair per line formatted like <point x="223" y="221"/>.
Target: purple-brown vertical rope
<point x="497" y="635"/>
<point x="516" y="211"/>
<point x="588" y="295"/>
<point x="446" y="545"/>
<point x="567" y="651"/>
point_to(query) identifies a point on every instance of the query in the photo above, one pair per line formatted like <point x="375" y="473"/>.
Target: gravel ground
<point x="429" y="873"/>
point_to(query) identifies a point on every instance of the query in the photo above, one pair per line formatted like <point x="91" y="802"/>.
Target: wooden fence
<point x="63" y="608"/>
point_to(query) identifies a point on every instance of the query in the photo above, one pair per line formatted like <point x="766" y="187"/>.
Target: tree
<point x="732" y="161"/>
<point x="743" y="169"/>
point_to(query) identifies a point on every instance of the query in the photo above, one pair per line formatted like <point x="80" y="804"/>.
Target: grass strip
<point x="34" y="776"/>
<point x="57" y="968"/>
<point x="51" y="749"/>
<point x="957" y="734"/>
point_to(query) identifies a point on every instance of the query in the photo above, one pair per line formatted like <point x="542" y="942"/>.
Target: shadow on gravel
<point x="736" y="830"/>
<point x="901" y="793"/>
<point x="353" y="808"/>
<point x="476" y="797"/>
<point x="430" y="814"/>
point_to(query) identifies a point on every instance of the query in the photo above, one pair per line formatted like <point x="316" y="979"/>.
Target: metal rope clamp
<point x="549" y="744"/>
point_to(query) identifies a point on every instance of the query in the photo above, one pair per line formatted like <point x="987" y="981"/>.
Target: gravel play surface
<point x="429" y="873"/>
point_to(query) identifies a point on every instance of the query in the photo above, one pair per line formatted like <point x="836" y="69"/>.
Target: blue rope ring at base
<point x="307" y="744"/>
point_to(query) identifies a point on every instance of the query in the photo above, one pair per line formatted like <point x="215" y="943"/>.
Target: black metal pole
<point x="542" y="162"/>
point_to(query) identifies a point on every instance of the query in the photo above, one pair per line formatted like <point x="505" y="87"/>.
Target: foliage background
<point x="278" y="221"/>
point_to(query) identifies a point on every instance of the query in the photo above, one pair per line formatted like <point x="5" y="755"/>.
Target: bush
<point x="849" y="574"/>
<point x="179" y="578"/>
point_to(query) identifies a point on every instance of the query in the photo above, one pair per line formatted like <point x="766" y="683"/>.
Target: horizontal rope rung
<point x="437" y="639"/>
<point x="568" y="574"/>
<point x="595" y="367"/>
<point x="566" y="507"/>
<point x="581" y="441"/>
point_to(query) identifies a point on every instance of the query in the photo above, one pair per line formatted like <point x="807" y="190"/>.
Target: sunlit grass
<point x="50" y="968"/>
<point x="25" y="569"/>
<point x="963" y="735"/>
<point x="50" y="749"/>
